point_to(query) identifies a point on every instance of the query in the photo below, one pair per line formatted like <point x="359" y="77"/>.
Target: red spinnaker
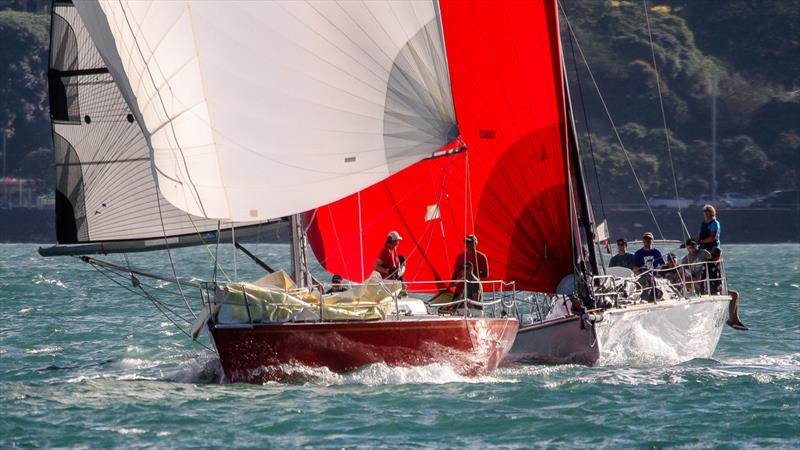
<point x="507" y="82"/>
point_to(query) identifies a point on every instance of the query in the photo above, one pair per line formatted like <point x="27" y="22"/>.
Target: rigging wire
<point x="611" y="120"/>
<point x="160" y="306"/>
<point x="586" y="125"/>
<point x="169" y="254"/>
<point x="207" y="246"/>
<point x="664" y="117"/>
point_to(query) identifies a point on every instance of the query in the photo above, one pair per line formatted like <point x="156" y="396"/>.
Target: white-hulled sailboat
<point x="172" y="118"/>
<point x="527" y="203"/>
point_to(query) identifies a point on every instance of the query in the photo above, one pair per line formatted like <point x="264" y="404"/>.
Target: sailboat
<point x="526" y="201"/>
<point x="179" y="123"/>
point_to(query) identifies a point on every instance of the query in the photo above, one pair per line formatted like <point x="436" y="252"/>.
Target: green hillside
<point x="751" y="47"/>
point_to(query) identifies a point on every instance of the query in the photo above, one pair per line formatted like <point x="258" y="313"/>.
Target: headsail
<point x="272" y="108"/>
<point x="105" y="189"/>
<point x="506" y="72"/>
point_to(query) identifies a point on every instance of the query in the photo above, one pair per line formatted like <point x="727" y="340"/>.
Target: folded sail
<point x="258" y="110"/>
<point x="506" y="72"/>
<point x="105" y="190"/>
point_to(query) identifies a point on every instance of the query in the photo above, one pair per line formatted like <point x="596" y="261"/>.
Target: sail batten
<point x="246" y="106"/>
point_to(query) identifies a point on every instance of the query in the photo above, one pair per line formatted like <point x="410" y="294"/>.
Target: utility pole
<point x="714" y="138"/>
<point x="3" y="180"/>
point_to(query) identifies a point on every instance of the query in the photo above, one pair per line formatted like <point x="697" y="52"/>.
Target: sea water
<point x="86" y="363"/>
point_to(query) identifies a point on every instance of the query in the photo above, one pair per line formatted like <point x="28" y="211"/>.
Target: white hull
<point x="667" y="332"/>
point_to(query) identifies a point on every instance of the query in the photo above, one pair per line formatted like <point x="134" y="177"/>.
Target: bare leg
<point x="733" y="312"/>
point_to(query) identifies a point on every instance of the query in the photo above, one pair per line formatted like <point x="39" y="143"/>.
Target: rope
<point x="663" y="116"/>
<point x="207" y="246"/>
<point x="169" y="254"/>
<point x="613" y="125"/>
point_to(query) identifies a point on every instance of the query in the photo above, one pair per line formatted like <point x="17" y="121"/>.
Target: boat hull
<point x="261" y="352"/>
<point x="668" y="332"/>
<point x="557" y="341"/>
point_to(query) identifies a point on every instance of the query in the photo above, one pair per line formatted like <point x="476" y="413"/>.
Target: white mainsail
<point x="258" y="110"/>
<point x="105" y="189"/>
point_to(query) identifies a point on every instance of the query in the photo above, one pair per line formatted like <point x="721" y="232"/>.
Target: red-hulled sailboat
<point x="229" y="116"/>
<point x="509" y="93"/>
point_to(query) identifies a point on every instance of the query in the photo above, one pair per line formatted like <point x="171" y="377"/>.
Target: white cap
<point x="394" y="235"/>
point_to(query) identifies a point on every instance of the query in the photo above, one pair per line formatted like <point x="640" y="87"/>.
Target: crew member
<point x="647" y="257"/>
<point x="388" y="263"/>
<point x="709" y="229"/>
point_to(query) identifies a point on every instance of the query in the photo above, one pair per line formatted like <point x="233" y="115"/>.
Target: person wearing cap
<point x="388" y="263"/>
<point x="478" y="260"/>
<point x="623" y="258"/>
<point x="709" y="229"/>
<point x="647" y="257"/>
<point x="695" y="272"/>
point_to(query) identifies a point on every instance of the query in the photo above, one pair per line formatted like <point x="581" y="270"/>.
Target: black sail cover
<point x="106" y="195"/>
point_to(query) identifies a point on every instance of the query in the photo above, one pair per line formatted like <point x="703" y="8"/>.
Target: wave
<point x="207" y="369"/>
<point x="41" y="279"/>
<point x="381" y="374"/>
<point x="764" y="369"/>
<point x="48" y="349"/>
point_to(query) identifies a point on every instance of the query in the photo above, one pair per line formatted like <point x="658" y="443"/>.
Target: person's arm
<point x="709" y="239"/>
<point x="485" y="272"/>
<point x="380" y="268"/>
<point x="658" y="261"/>
<point x="638" y="262"/>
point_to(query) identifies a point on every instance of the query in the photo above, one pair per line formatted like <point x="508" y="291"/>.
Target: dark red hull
<point x="258" y="353"/>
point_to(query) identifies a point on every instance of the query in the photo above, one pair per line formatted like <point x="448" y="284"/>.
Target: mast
<point x="586" y="217"/>
<point x="298" y="249"/>
<point x="714" y="138"/>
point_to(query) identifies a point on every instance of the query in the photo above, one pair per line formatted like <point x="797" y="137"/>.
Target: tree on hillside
<point x="23" y="86"/>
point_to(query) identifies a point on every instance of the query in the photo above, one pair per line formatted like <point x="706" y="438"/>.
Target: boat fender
<point x="585" y="321"/>
<point x="596" y="318"/>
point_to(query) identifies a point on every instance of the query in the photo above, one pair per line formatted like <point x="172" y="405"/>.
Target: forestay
<point x="105" y="189"/>
<point x="258" y="110"/>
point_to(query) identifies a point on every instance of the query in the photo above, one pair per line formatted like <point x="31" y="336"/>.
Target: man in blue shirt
<point x="647" y="257"/>
<point x="709" y="229"/>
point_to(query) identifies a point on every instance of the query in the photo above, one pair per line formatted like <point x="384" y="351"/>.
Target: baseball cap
<point x="648" y="235"/>
<point x="691" y="242"/>
<point x="395" y="236"/>
<point x="471" y="238"/>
